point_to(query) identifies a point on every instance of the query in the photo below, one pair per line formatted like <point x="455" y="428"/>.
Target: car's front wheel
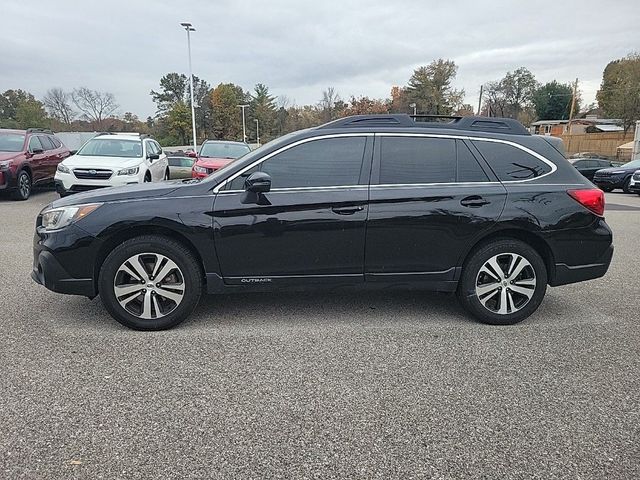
<point x="24" y="185"/>
<point x="150" y="283"/>
<point x="503" y="282"/>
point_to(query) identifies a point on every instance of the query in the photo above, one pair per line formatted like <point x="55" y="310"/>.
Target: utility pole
<point x="573" y="105"/>
<point x="413" y="105"/>
<point x="480" y="99"/>
<point x="189" y="28"/>
<point x="244" y="128"/>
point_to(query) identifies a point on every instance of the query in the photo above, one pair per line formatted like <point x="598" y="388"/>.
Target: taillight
<point x="592" y="199"/>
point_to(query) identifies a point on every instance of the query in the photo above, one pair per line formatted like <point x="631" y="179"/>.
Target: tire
<point x="625" y="187"/>
<point x="150" y="307"/>
<point x="147" y="177"/>
<point x="167" y="175"/>
<point x="478" y="280"/>
<point x="24" y="186"/>
<point x="606" y="189"/>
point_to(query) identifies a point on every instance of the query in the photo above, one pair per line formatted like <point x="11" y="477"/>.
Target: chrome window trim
<point x="552" y="165"/>
<point x="481" y="139"/>
<point x="284" y="148"/>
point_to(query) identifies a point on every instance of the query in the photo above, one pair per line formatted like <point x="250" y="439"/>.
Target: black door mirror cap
<point x="36" y="151"/>
<point x="153" y="156"/>
<point x="258" y="182"/>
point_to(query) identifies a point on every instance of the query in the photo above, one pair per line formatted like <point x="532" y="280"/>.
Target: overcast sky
<point x="299" y="48"/>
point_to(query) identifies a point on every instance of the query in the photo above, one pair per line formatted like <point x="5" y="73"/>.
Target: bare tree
<point x="95" y="106"/>
<point x="58" y="103"/>
<point x="330" y="99"/>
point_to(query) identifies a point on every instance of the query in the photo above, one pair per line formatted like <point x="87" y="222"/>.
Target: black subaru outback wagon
<point x="473" y="205"/>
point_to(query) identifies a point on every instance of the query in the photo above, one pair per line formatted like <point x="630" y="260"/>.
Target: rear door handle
<point x="474" y="201"/>
<point x="350" y="210"/>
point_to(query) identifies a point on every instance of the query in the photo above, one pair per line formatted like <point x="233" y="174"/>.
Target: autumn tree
<point x="511" y="96"/>
<point x="227" y="119"/>
<point x="431" y="89"/>
<point x="399" y="101"/>
<point x="330" y="105"/>
<point x="619" y="94"/>
<point x="365" y="106"/>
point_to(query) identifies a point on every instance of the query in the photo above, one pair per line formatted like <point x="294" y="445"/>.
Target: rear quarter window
<point x="511" y="163"/>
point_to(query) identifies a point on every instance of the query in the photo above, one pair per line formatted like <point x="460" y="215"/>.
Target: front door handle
<point x="474" y="201"/>
<point x="350" y="210"/>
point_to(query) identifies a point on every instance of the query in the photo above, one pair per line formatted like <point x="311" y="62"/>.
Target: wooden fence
<point x="605" y="144"/>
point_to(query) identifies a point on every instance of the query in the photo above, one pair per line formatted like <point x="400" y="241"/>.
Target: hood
<point x="113" y="163"/>
<point x="610" y="170"/>
<point x="213" y="162"/>
<point x="8" y="155"/>
<point x="127" y="192"/>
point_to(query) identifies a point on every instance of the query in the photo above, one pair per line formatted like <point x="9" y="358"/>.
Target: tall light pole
<point x="257" y="132"/>
<point x="244" y="128"/>
<point x="187" y="26"/>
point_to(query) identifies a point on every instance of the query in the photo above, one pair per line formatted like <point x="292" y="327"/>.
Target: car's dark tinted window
<point x="34" y="144"/>
<point x="407" y="160"/>
<point x="580" y="164"/>
<point x="56" y="143"/>
<point x="46" y="143"/>
<point x="511" y="163"/>
<point x="318" y="163"/>
<point x="468" y="168"/>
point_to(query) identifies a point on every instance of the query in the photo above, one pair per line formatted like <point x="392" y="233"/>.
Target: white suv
<point x="110" y="160"/>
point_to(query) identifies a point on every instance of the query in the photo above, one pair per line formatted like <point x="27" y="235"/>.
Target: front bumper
<point x="609" y="182"/>
<point x="67" y="183"/>
<point x="64" y="261"/>
<point x="7" y="180"/>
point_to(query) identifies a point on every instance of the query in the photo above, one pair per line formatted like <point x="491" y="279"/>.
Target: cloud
<point x="300" y="48"/>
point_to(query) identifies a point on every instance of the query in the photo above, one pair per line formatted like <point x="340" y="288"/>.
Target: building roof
<point x="590" y="121"/>
<point x="609" y="127"/>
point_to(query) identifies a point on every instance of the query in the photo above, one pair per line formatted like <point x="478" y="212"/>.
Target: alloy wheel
<point x="24" y="185"/>
<point x="505" y="283"/>
<point x="149" y="285"/>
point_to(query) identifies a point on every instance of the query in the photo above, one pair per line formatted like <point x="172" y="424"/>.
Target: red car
<point x="215" y="154"/>
<point x="27" y="158"/>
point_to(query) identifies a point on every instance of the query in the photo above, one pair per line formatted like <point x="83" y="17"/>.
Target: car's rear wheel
<point x="606" y="189"/>
<point x="503" y="282"/>
<point x="150" y="283"/>
<point x="23" y="186"/>
<point x="625" y="187"/>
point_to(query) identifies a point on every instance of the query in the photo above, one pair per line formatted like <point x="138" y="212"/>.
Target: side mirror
<point x="153" y="156"/>
<point x="36" y="151"/>
<point x="192" y="154"/>
<point x="258" y="182"/>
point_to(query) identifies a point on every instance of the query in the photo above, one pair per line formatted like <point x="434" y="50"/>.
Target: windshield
<point x="111" y="148"/>
<point x="11" y="142"/>
<point x="223" y="150"/>
<point x="634" y="164"/>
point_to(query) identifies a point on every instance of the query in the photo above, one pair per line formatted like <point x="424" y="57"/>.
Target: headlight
<point x="63" y="168"/>
<point x="5" y="164"/>
<point x="199" y="169"/>
<point x="57" y="218"/>
<point x="129" y="171"/>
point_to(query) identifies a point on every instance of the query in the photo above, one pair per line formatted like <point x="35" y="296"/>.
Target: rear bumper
<point x="565" y="274"/>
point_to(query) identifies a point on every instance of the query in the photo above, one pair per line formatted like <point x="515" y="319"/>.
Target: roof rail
<point x="133" y="134"/>
<point x="478" y="124"/>
<point x="40" y="130"/>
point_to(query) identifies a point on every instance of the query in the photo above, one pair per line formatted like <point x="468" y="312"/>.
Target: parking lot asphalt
<point x="322" y="385"/>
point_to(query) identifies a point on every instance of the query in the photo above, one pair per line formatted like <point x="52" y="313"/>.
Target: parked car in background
<point x="634" y="184"/>
<point x="215" y="154"/>
<point x="589" y="166"/>
<point x="28" y="158"/>
<point x="609" y="179"/>
<point x="476" y="206"/>
<point x="180" y="165"/>
<point x="110" y="160"/>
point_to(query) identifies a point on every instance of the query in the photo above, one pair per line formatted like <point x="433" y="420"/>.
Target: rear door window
<point x="511" y="163"/>
<point x="469" y="170"/>
<point x="415" y="160"/>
